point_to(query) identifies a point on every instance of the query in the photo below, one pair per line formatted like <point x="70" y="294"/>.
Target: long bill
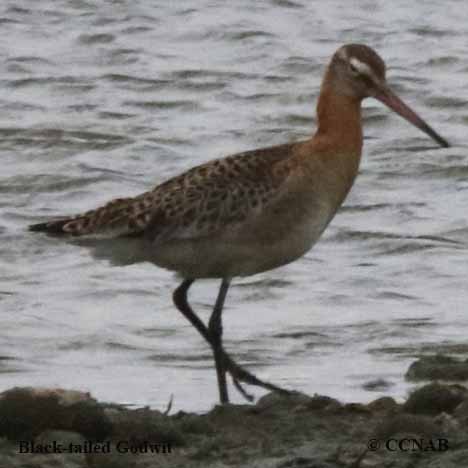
<point x="390" y="99"/>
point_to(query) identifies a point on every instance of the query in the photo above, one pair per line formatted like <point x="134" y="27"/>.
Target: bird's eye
<point x="353" y="69"/>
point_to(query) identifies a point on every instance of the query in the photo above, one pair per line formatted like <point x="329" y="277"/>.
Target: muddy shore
<point x="64" y="428"/>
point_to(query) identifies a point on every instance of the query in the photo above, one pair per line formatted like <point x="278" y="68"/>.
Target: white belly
<point x="232" y="253"/>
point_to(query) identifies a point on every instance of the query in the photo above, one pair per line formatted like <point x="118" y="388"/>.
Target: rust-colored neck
<point x="333" y="155"/>
<point x="339" y="118"/>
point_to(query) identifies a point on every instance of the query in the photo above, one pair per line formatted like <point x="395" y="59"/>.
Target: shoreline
<point x="66" y="428"/>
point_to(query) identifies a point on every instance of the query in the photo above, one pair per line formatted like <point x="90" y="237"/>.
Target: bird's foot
<point x="240" y="374"/>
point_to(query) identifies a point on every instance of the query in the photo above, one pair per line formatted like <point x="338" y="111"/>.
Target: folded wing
<point x="216" y="195"/>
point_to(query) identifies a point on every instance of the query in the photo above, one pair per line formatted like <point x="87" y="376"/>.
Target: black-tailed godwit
<point x="249" y="212"/>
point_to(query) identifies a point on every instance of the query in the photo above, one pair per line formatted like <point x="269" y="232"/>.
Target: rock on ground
<point x="71" y="429"/>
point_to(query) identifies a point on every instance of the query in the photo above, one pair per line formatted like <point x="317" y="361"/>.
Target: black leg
<point x="180" y="300"/>
<point x="215" y="329"/>
<point x="238" y="373"/>
<point x="213" y="335"/>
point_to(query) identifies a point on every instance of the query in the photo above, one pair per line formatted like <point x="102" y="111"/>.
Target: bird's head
<point x="358" y="71"/>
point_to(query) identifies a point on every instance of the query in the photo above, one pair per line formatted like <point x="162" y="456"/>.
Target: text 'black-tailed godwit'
<point x="252" y="211"/>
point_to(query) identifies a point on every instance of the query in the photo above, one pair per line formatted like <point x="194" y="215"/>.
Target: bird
<point x="248" y="212"/>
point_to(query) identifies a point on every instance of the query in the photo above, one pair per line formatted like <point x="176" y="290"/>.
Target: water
<point x="106" y="99"/>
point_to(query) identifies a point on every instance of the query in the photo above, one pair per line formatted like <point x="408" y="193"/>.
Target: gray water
<point x="106" y="99"/>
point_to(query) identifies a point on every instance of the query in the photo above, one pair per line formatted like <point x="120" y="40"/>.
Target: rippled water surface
<point x="107" y="99"/>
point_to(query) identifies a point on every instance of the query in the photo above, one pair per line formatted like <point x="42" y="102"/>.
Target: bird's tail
<point x="52" y="227"/>
<point x="115" y="217"/>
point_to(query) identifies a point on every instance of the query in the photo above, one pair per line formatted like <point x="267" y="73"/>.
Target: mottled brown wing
<point x="194" y="204"/>
<point x="217" y="195"/>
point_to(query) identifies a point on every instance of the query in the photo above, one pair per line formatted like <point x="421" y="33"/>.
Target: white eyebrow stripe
<point x="362" y="67"/>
